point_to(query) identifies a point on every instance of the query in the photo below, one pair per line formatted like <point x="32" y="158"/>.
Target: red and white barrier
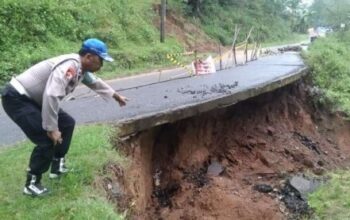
<point x="201" y="67"/>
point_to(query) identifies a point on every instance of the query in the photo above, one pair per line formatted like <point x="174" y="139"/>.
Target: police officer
<point x="32" y="101"/>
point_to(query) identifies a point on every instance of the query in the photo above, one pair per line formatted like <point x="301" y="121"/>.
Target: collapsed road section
<point x="245" y="161"/>
<point x="238" y="162"/>
<point x="175" y="100"/>
<point x="233" y="145"/>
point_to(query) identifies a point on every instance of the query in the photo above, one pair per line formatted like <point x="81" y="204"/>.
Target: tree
<point x="330" y="12"/>
<point x="272" y="19"/>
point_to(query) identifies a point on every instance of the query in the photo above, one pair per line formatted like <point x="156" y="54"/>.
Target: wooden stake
<point x="220" y="56"/>
<point x="235" y="36"/>
<point x="246" y="45"/>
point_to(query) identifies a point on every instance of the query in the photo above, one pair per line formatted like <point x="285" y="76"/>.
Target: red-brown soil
<point x="258" y="141"/>
<point x="190" y="35"/>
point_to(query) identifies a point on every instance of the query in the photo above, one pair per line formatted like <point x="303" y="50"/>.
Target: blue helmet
<point x="97" y="47"/>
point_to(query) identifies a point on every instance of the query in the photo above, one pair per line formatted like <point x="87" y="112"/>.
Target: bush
<point x="328" y="59"/>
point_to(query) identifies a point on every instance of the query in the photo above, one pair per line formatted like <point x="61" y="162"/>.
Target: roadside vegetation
<point x="332" y="201"/>
<point x="34" y="30"/>
<point x="272" y="20"/>
<point x="73" y="196"/>
<point x="328" y="59"/>
<point x="37" y="29"/>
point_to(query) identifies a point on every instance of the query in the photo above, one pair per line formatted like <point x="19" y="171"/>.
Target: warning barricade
<point x="172" y="58"/>
<point x="201" y="67"/>
<point x="197" y="67"/>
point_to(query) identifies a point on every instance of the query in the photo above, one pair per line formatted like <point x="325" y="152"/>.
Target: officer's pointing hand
<point x="120" y="99"/>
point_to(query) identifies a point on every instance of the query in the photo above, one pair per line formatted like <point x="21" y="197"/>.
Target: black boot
<point x="58" y="167"/>
<point x="33" y="186"/>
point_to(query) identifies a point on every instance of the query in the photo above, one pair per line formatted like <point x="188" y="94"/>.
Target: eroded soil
<point x="231" y="163"/>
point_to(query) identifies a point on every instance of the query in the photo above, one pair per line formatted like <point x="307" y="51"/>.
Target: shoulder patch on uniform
<point x="71" y="72"/>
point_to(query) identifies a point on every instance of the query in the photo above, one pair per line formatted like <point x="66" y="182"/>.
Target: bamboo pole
<point x="237" y="30"/>
<point x="220" y="56"/>
<point x="246" y="45"/>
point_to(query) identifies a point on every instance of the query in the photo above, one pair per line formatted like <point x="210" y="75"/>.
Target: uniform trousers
<point x="26" y="113"/>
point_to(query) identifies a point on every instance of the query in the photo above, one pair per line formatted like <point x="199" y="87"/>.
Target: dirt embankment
<point x="191" y="35"/>
<point x="206" y="167"/>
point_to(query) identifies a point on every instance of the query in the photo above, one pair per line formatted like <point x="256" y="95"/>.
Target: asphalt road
<point x="148" y="96"/>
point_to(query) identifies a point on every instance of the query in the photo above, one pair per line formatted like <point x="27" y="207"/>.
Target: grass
<point x="332" y="201"/>
<point x="29" y="35"/>
<point x="128" y="27"/>
<point x="218" y="19"/>
<point x="73" y="196"/>
<point x="328" y="61"/>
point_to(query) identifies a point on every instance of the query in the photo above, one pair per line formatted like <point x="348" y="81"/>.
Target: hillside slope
<point x="37" y="29"/>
